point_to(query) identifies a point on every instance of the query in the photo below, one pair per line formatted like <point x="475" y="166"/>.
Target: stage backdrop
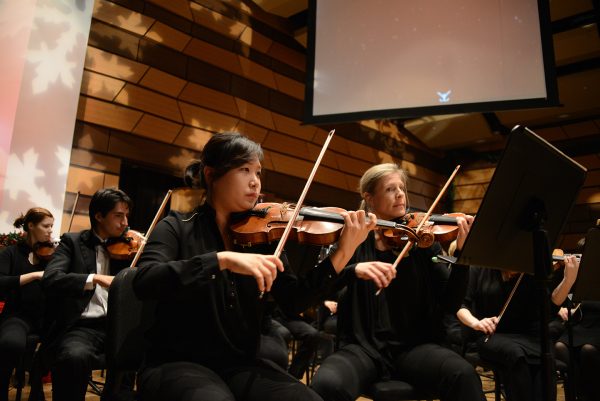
<point x="43" y="45"/>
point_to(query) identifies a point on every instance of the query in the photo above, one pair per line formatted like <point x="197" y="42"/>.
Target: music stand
<point x="586" y="288"/>
<point x="525" y="207"/>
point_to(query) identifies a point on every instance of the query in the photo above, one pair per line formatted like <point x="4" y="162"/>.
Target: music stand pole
<point x="542" y="262"/>
<point x="570" y="366"/>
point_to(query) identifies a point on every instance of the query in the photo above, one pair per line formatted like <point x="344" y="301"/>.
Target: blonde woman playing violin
<point x="398" y="333"/>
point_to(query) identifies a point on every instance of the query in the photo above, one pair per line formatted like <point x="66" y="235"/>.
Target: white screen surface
<point x="374" y="55"/>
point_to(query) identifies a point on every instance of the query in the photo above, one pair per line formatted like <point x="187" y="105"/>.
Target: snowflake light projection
<point x="50" y="59"/>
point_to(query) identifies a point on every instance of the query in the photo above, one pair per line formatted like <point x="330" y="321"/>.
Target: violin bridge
<point x="284" y="208"/>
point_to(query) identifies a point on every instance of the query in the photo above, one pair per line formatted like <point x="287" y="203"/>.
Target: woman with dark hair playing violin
<point x="397" y="334"/>
<point x="207" y="330"/>
<point x="512" y="343"/>
<point x="21" y="270"/>
<point x="78" y="278"/>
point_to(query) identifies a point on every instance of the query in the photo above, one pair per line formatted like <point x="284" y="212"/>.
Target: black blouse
<point x="206" y="315"/>
<point x="26" y="301"/>
<point x="488" y="292"/>
<point x="586" y="329"/>
<point x="408" y="312"/>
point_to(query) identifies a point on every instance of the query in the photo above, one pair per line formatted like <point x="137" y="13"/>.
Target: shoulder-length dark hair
<point x="222" y="152"/>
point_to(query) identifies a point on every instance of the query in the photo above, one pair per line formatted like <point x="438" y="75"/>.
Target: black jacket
<point x="408" y="312"/>
<point x="205" y="315"/>
<point x="65" y="276"/>
<point x="24" y="301"/>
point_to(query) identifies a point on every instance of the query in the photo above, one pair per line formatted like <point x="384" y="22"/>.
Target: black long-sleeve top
<point x="488" y="292"/>
<point x="27" y="300"/>
<point x="206" y="315"/>
<point x="408" y="312"/>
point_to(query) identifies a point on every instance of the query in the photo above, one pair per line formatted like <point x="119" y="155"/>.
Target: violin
<point x="558" y="258"/>
<point x="266" y="222"/>
<point x="440" y="228"/>
<point x="126" y="246"/>
<point x="45" y="249"/>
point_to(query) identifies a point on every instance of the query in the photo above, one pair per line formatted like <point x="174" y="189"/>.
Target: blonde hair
<point x="371" y="177"/>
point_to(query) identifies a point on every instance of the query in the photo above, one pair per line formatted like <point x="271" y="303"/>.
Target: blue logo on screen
<point x="444" y="97"/>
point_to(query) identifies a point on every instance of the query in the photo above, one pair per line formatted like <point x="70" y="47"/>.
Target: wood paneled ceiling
<point x="576" y="37"/>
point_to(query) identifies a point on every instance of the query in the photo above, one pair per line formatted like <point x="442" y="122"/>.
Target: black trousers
<point x="274" y="349"/>
<point x="187" y="381"/>
<point x="586" y="365"/>
<point x="77" y="352"/>
<point x="13" y="340"/>
<point x="311" y="341"/>
<point x="519" y="366"/>
<point x="350" y="372"/>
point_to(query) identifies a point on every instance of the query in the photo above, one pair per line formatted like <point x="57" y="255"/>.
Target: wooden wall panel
<point x="207" y="97"/>
<point x="107" y="114"/>
<point x="157" y="128"/>
<point x="193" y="138"/>
<point x="254" y="114"/>
<point x="100" y="86"/>
<point x="121" y="17"/>
<point x="95" y="161"/>
<point x="84" y="180"/>
<point x="163" y="76"/>
<point x="168" y="36"/>
<point x="162" y="82"/>
<point x="113" y="65"/>
<point x="150" y="102"/>
<point x="255" y="40"/>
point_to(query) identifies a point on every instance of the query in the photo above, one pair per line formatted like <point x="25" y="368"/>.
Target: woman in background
<point x="20" y="273"/>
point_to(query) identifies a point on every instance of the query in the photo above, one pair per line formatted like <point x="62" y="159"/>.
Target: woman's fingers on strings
<point x="372" y="221"/>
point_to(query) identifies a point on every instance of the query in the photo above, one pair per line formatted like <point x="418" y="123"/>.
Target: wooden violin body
<point x="44" y="250"/>
<point x="317" y="225"/>
<point x="126" y="246"/>
<point x="440" y="228"/>
<point x="267" y="221"/>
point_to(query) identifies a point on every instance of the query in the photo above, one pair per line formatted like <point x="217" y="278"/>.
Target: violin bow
<point x="410" y="243"/>
<point x="73" y="211"/>
<point x="154" y="221"/>
<point x="288" y="227"/>
<point x="510" y="296"/>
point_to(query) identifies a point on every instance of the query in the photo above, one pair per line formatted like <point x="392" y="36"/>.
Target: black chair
<point x="97" y="386"/>
<point x="562" y="371"/>
<point x="474" y="359"/>
<point x="396" y="390"/>
<point x="128" y="320"/>
<point x="25" y="364"/>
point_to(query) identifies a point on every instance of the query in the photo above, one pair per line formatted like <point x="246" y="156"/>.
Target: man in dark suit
<point x="78" y="277"/>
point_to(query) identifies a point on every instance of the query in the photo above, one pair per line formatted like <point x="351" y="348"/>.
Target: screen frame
<point x="550" y="100"/>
